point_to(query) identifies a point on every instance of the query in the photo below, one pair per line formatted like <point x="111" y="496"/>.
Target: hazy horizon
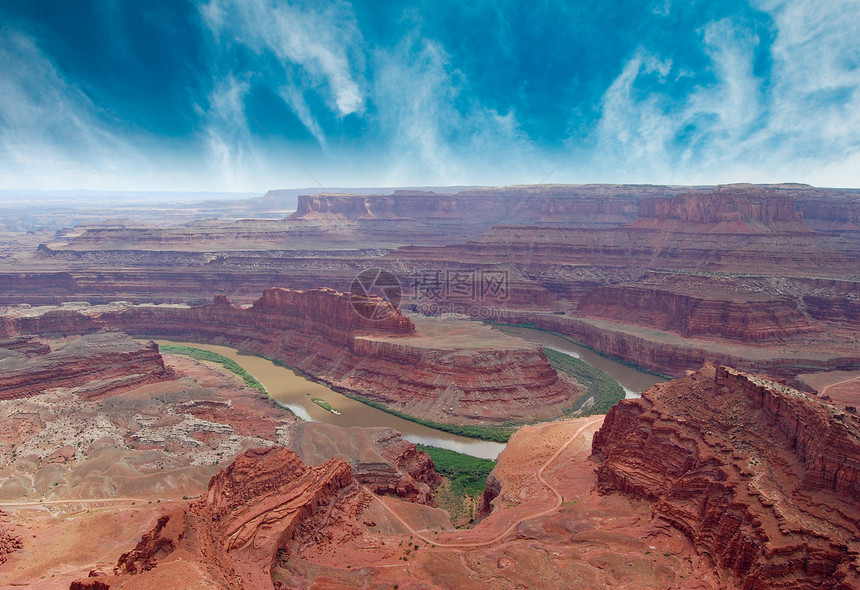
<point x="228" y="96"/>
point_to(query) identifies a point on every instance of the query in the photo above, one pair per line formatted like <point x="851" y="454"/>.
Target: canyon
<point x="750" y="271"/>
<point x="742" y="472"/>
<point x="721" y="479"/>
<point x="455" y="372"/>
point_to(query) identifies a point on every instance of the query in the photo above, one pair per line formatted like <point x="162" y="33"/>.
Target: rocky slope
<point x="763" y="479"/>
<point x="380" y="458"/>
<point x="263" y="506"/>
<point x="454" y="372"/>
<point x="97" y="364"/>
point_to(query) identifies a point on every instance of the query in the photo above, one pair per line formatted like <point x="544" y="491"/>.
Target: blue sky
<point x="223" y="94"/>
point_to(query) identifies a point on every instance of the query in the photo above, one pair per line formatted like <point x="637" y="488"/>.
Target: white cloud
<point x="654" y="139"/>
<point x="803" y="124"/>
<point x="227" y="136"/>
<point x="51" y="134"/>
<point x="439" y="133"/>
<point x="318" y="47"/>
<point x="815" y="109"/>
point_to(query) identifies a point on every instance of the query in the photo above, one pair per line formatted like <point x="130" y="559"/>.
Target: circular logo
<point x="376" y="282"/>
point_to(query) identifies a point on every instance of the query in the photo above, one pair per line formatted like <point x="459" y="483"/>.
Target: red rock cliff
<point x="265" y="502"/>
<point x="98" y="364"/>
<point x="763" y="479"/>
<point x="727" y="204"/>
<point x="736" y="316"/>
<point x="318" y="332"/>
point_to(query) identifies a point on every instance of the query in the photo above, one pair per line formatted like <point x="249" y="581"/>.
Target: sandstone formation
<point x="23" y="345"/>
<point x="463" y="374"/>
<point x="262" y="507"/>
<point x="588" y="541"/>
<point x="354" y="221"/>
<point x="673" y="355"/>
<point x="97" y="364"/>
<point x="745" y="317"/>
<point x="763" y="479"/>
<point x="380" y="458"/>
<point x="755" y="275"/>
<point x="727" y="231"/>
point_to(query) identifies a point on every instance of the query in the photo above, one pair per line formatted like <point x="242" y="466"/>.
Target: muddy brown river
<point x="632" y="380"/>
<point x="296" y="392"/>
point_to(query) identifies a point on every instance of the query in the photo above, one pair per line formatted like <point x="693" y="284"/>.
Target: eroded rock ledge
<point x="460" y="373"/>
<point x="267" y="501"/>
<point x="763" y="479"/>
<point x="96" y="364"/>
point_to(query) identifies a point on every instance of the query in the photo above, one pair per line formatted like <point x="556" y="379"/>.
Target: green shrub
<point x="322" y="403"/>
<point x="467" y="474"/>
<point x="499" y="433"/>
<point x="205" y="355"/>
<point x="605" y="390"/>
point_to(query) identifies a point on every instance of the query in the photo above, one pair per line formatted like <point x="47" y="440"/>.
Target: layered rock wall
<point x="253" y="509"/>
<point x="826" y="442"/>
<point x="321" y="334"/>
<point x="674" y="358"/>
<point x="843" y="311"/>
<point x="761" y="478"/>
<point x="113" y="360"/>
<point x="725" y="205"/>
<point x="750" y="320"/>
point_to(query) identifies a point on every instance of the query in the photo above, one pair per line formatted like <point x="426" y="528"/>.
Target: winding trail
<point x="95" y="501"/>
<point x="517" y="522"/>
<point x="826" y="388"/>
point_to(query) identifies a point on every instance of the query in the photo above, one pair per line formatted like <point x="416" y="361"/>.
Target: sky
<point x="250" y="95"/>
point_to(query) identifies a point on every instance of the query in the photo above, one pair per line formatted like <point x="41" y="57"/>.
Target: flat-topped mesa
<point x="732" y="206"/>
<point x="579" y="205"/>
<point x="330" y="312"/>
<point x="763" y="479"/>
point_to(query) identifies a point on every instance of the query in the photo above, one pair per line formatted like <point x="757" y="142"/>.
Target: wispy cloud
<point x="437" y="129"/>
<point x="815" y="101"/>
<point x="318" y="49"/>
<point x="768" y="91"/>
<point x="801" y="123"/>
<point x="50" y="131"/>
<point x="227" y="135"/>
